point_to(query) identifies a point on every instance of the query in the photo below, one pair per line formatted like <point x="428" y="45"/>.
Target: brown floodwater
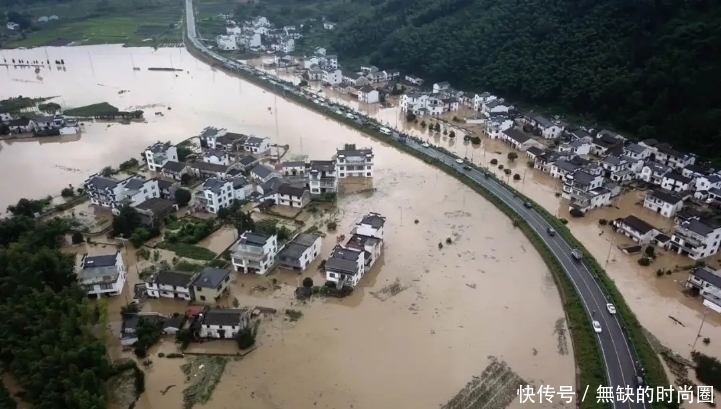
<point x="486" y="294"/>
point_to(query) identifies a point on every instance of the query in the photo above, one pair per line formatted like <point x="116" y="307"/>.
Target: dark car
<point x="527" y="205"/>
<point x="466" y="167"/>
<point x="550" y="231"/>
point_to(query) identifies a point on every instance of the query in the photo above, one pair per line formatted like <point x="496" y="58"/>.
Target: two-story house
<point x="322" y="177"/>
<point x="695" y="238"/>
<point x="254" y="253"/>
<point x="104" y="191"/>
<point x="300" y="252"/>
<point x="413" y="80"/>
<point x="354" y="162"/>
<point x="637" y="229"/>
<point x="170" y="284"/>
<point x="664" y="202"/>
<point x="137" y="189"/>
<point x="704" y="184"/>
<point x="368" y="94"/>
<point x="102" y="274"/>
<point x="293" y="168"/>
<point x="256" y="145"/>
<point x="174" y="170"/>
<point x="549" y="129"/>
<point x="332" y="77"/>
<point x="576" y="147"/>
<point x="221" y="323"/>
<point x="293" y="196"/>
<point x="159" y="154"/>
<point x="348" y="263"/>
<point x="653" y="172"/>
<point x="670" y="157"/>
<point x="216" y="156"/>
<point x="708" y="283"/>
<point x="636" y="151"/>
<point x="261" y="173"/>
<point x="210" y="284"/>
<point x="676" y="182"/>
<point x="345" y="267"/>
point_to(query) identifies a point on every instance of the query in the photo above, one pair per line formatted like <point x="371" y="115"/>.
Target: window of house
<point x="227" y="279"/>
<point x="198" y="288"/>
<point x="106" y="286"/>
<point x="202" y="298"/>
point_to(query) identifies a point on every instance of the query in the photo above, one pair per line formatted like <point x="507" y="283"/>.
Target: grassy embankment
<point x="588" y="358"/>
<point x="90" y="22"/>
<point x="91" y="110"/>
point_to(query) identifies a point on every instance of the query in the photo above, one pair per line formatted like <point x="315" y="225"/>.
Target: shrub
<point x="576" y="212"/>
<point x="659" y="272"/>
<point x="708" y="369"/>
<point x="451" y="134"/>
<point x="68" y="192"/>
<point x="423" y="124"/>
<point x="516" y="177"/>
<point x="494" y="161"/>
<point x="77" y="238"/>
<point x="531" y="164"/>
<point x="332" y="225"/>
<point x="500" y="167"/>
<point x="650" y="252"/>
<point x="707" y="341"/>
<point x="182" y="197"/>
<point x="563" y="221"/>
<point x="476" y="140"/>
<point x="602" y="222"/>
<point x="293" y="315"/>
<point x="508" y="171"/>
<point x="644" y="261"/>
<point x="410" y="117"/>
<point x="246" y="336"/>
<point x="189" y="251"/>
<point x="308" y="282"/>
<point x="512" y="156"/>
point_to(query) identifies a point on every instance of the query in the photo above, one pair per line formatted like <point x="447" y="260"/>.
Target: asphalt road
<point x="615" y="348"/>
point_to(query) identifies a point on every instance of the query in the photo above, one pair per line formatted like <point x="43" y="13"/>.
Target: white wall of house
<point x="663" y="208"/>
<point x="222" y="160"/>
<point x="155" y="290"/>
<point x="214" y="331"/>
<point x="709" y="244"/>
<point x="333" y="77"/>
<point x="352" y="281"/>
<point x="157" y="160"/>
<point x="674" y="185"/>
<point x="552" y="132"/>
<point x="291" y="200"/>
<point x="227" y="42"/>
<point x="370" y="97"/>
<point x="115" y="288"/>
<point x="243" y="263"/>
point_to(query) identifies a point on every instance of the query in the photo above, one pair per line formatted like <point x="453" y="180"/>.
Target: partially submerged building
<point x="350" y="261"/>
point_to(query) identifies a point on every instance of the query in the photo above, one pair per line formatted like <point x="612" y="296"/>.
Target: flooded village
<point x="269" y="242"/>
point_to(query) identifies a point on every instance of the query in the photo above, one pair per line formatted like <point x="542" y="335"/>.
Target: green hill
<point x="648" y="68"/>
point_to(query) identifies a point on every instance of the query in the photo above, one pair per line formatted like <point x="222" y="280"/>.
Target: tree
<point x="451" y="134"/>
<point x="49" y="108"/>
<point x="28" y="208"/>
<point x="494" y="161"/>
<point x="476" y="140"/>
<point x="437" y="127"/>
<point x="242" y="221"/>
<point x="77" y="238"/>
<point x="516" y="177"/>
<point x="246" y="336"/>
<point x="107" y="171"/>
<point x="512" y="156"/>
<point x="182" y="197"/>
<point x="126" y="221"/>
<point x="68" y="191"/>
<point x="185" y="179"/>
<point x="223" y="213"/>
<point x="410" y="117"/>
<point x="576" y="212"/>
<point x="650" y="251"/>
<point x="307" y="282"/>
<point x="183" y="152"/>
<point x="423" y="124"/>
<point x="139" y="236"/>
<point x="21" y="20"/>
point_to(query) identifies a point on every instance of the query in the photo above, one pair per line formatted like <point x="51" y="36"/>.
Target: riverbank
<point x="647" y="357"/>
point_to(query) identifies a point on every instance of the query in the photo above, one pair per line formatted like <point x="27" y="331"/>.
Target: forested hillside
<point x="649" y="68"/>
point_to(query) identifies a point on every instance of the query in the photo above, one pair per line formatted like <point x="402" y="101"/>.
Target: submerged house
<point x="349" y="262"/>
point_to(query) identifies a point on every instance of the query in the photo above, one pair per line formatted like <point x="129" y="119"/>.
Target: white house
<point x="548" y="128"/>
<point x="137" y="189"/>
<point x="703" y="184"/>
<point x="354" y="79"/>
<point x="637" y="151"/>
<point x="215" y="194"/>
<point x="42" y="123"/>
<point x="5" y="115"/>
<point x="585" y="191"/>
<point x="216" y="156"/>
<point x="708" y="282"/>
<point x="332" y="77"/>
<point x="261" y="173"/>
<point x="174" y="170"/>
<point x="495" y="106"/>
<point x="518" y="139"/>
<point x="159" y="154"/>
<point x="412" y="79"/>
<point x="653" y="173"/>
<point x="695" y="238"/>
<point x="102" y="274"/>
<point x="20" y="125"/>
<point x="254" y="253"/>
<point x="322" y="177"/>
<point x="227" y="42"/>
<point x="315" y="73"/>
<point x="673" y="158"/>
<point x="441" y="86"/>
<point x="210" y="284"/>
<point x="638" y="230"/>
<point x="329" y="62"/>
<point x="348" y="263"/>
<point x="170" y="284"/>
<point x="576" y="147"/>
<point x="221" y="323"/>
<point x="293" y="168"/>
<point x="300" y="252"/>
<point x="663" y="202"/>
<point x="104" y="191"/>
<point x="421" y="104"/>
<point x="676" y="182"/>
<point x="328" y="25"/>
<point x="286" y="45"/>
<point x="354" y="162"/>
<point x="293" y="196"/>
<point x="256" y="144"/>
<point x="368" y="94"/>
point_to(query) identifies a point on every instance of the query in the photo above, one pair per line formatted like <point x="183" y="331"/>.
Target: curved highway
<point x="615" y="348"/>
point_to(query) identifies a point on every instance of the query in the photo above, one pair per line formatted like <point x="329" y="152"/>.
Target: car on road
<point x="466" y="167"/>
<point x="550" y="231"/>
<point x="425" y="145"/>
<point x="611" y="308"/>
<point x="527" y="204"/>
<point x="459" y="160"/>
<point x="576" y="254"/>
<point x="597" y="326"/>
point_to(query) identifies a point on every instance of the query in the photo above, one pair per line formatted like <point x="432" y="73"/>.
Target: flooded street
<point x="486" y="294"/>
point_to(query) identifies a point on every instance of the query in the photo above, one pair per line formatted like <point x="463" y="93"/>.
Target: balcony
<point x="690" y="240"/>
<point x="248" y="252"/>
<point x="246" y="262"/>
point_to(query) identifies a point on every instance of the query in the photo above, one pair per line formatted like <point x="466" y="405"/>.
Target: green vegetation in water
<point x="655" y="56"/>
<point x="189" y="251"/>
<point x="708" y="369"/>
<point x="19" y="103"/>
<point x="133" y="23"/>
<point x="295" y="315"/>
<point x="203" y="373"/>
<point x="91" y="110"/>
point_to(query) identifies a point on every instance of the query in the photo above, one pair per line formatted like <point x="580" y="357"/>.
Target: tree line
<point x="649" y="69"/>
<point x="49" y="334"/>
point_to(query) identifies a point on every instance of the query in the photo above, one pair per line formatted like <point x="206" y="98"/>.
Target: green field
<point x="149" y="24"/>
<point x="91" y="110"/>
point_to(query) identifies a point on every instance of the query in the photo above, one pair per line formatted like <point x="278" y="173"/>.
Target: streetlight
<point x="608" y="256"/>
<point x="705" y="312"/>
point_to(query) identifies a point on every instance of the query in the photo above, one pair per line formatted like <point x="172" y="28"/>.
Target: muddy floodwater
<point x="486" y="294"/>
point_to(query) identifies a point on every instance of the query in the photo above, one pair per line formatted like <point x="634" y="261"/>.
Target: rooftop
<point x="254" y="141"/>
<point x="98" y="269"/>
<point x="209" y="167"/>
<point x="290" y="190"/>
<point x="173" y="166"/>
<point x="223" y="316"/>
<point x="343" y="260"/>
<point x="637" y="224"/>
<point x="635" y="148"/>
<point x="159" y="147"/>
<point x="254" y="239"/>
<point x="708" y="275"/>
<point x="214" y="185"/>
<point x="374" y="220"/>
<point x="101" y="182"/>
<point x="210" y="277"/>
<point x="155" y="205"/>
<point x="262" y="171"/>
<point x="516" y="135"/>
<point x="665" y="196"/>
<point x="172" y="278"/>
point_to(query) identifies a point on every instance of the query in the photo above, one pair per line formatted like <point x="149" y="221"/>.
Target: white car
<point x="459" y="160"/>
<point x="611" y="308"/>
<point x="597" y="326"/>
<point x="425" y="145"/>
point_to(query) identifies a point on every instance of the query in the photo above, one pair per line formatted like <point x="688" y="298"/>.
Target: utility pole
<point x="608" y="256"/>
<point x="705" y="312"/>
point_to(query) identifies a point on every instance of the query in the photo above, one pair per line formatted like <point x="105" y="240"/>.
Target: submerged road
<point x="615" y="347"/>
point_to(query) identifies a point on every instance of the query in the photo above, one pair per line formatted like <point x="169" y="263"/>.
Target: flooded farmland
<point x="451" y="309"/>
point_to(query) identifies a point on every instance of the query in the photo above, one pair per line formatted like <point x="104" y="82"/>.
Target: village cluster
<point x="42" y="125"/>
<point x="232" y="167"/>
